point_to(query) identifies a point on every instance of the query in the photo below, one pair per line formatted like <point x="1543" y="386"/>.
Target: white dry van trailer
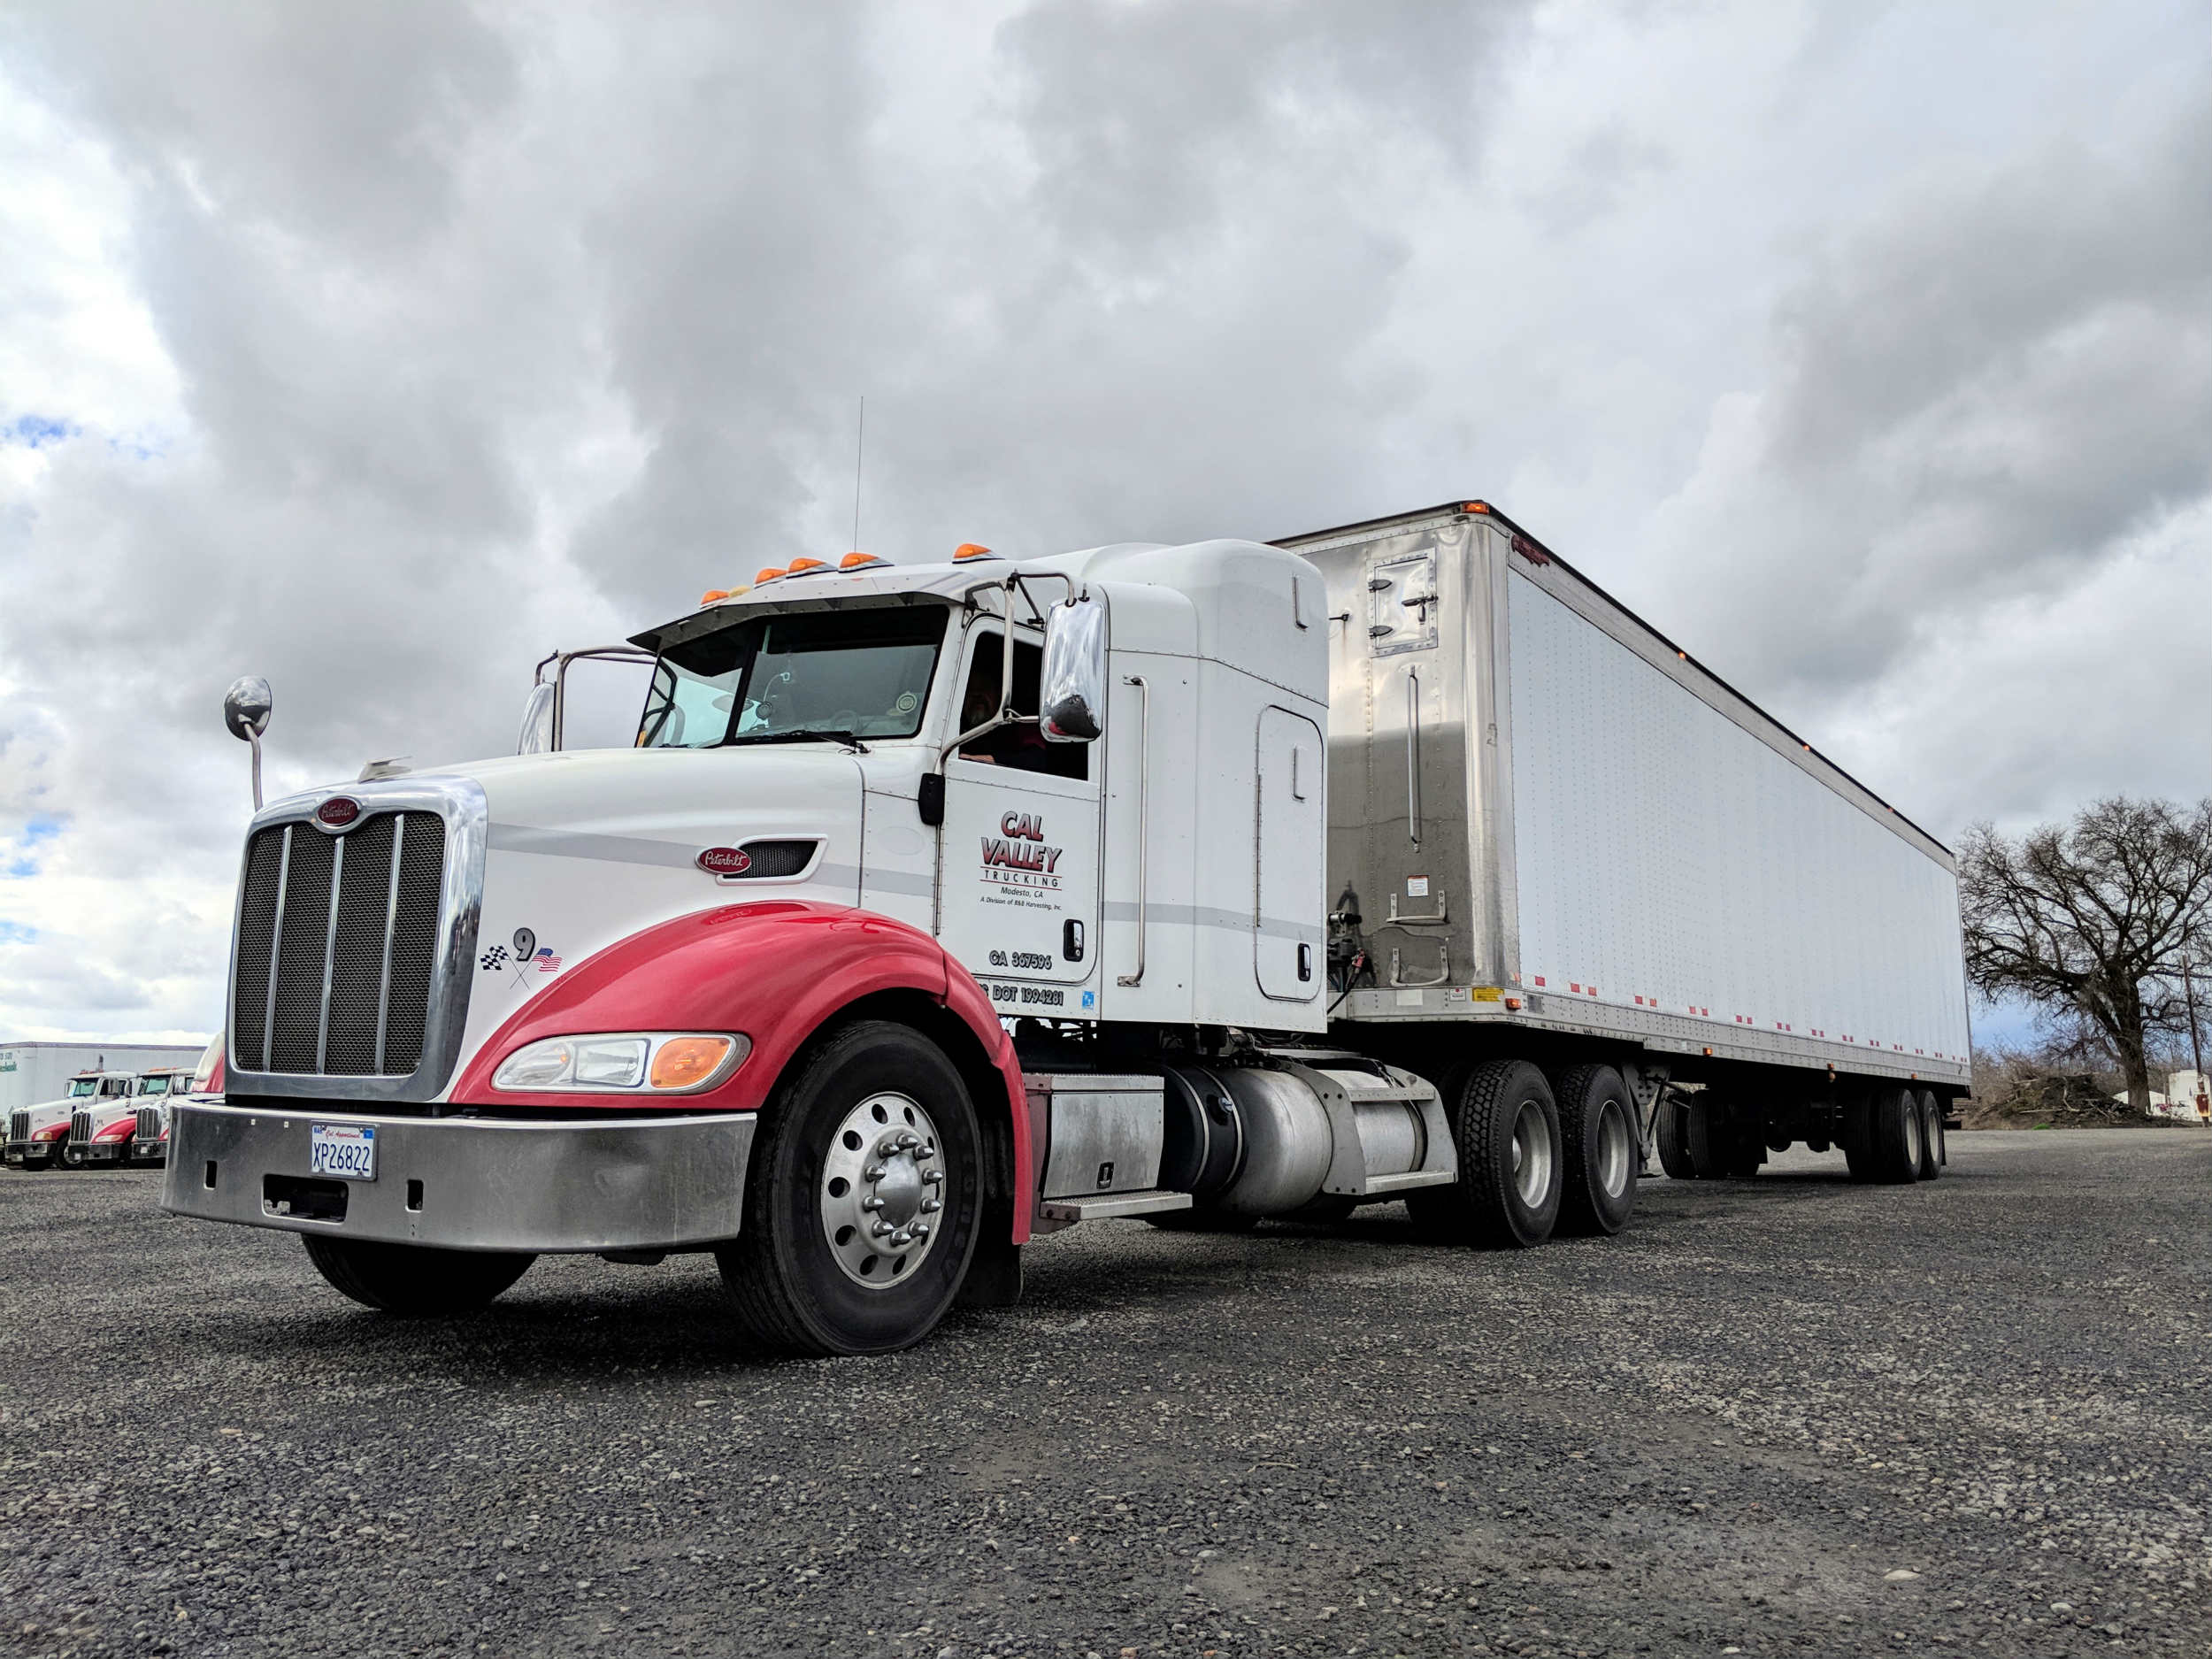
<point x="939" y="908"/>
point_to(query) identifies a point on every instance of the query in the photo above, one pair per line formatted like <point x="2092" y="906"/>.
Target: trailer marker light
<point x="1513" y="1002"/>
<point x="767" y="575"/>
<point x="1474" y="506"/>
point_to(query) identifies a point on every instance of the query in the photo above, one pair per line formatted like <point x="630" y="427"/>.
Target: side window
<point x="1020" y="746"/>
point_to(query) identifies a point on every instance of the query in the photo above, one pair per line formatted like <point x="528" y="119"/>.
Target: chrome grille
<point x="81" y="1126"/>
<point x="19" y="1126"/>
<point x="149" y="1123"/>
<point x="337" y="946"/>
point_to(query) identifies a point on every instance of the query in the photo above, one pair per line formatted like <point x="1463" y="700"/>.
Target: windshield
<point x="851" y="674"/>
<point x="82" y="1088"/>
<point x="153" y="1086"/>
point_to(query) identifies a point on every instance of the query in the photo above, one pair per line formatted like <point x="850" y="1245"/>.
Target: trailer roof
<point x="1473" y="507"/>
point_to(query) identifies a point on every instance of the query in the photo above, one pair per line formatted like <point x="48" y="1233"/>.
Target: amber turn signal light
<point x="683" y="1060"/>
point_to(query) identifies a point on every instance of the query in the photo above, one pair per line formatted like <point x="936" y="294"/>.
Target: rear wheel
<point x="412" y="1279"/>
<point x="863" y="1199"/>
<point x="1894" y="1136"/>
<point x="1505" y="1127"/>
<point x="1931" y="1135"/>
<point x="1597" y="1138"/>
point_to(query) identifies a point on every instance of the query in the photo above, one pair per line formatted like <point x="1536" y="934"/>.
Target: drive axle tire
<point x="1505" y="1127"/>
<point x="1931" y="1135"/>
<point x="862" y="1200"/>
<point x="1597" y="1139"/>
<point x="412" y="1279"/>
<point x="1894" y="1136"/>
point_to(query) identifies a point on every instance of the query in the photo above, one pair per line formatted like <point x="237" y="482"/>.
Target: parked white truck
<point x="888" y="949"/>
<point x="39" y="1135"/>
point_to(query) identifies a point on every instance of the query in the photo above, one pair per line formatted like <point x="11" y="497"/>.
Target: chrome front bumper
<point x="470" y="1182"/>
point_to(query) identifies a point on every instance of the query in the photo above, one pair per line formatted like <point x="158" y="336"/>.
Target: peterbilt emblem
<point x="725" y="861"/>
<point x="339" y="812"/>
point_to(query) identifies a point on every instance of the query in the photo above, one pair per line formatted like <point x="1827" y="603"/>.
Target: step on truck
<point x="939" y="908"/>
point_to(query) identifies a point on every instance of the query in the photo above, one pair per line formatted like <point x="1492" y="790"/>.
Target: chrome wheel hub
<point x="883" y="1190"/>
<point x="1613" y="1149"/>
<point x="1531" y="1154"/>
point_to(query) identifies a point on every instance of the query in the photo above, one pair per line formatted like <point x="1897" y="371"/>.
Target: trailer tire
<point x="1597" y="1138"/>
<point x="1894" y="1134"/>
<point x="1931" y="1135"/>
<point x="802" y="1272"/>
<point x="1672" y="1133"/>
<point x="414" y="1280"/>
<point x="1505" y="1128"/>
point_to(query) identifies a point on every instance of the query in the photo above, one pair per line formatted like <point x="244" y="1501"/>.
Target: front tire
<point x="411" y="1279"/>
<point x="1505" y="1127"/>
<point x="1598" y="1142"/>
<point x="863" y="1199"/>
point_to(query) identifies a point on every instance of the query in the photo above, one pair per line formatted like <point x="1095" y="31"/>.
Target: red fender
<point x="773" y="971"/>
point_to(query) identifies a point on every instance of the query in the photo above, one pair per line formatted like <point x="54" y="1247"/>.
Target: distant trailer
<point x="32" y="1073"/>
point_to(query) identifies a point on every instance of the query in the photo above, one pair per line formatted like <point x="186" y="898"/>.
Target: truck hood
<point x="586" y="848"/>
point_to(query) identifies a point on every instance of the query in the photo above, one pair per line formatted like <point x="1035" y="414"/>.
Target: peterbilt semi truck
<point x="939" y="908"/>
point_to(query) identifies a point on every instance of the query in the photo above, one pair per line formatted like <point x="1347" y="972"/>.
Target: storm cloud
<point x="379" y="349"/>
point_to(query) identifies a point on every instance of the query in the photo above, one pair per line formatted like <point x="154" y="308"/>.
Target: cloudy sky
<point x="377" y="348"/>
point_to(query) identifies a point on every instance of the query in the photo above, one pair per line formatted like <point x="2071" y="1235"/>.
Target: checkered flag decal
<point x="493" y="957"/>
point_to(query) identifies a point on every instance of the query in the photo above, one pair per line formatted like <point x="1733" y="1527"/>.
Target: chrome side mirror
<point x="246" y="709"/>
<point x="1073" y="692"/>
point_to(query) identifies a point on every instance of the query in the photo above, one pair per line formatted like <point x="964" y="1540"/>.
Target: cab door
<point x="1019" y="851"/>
<point x="1289" y="902"/>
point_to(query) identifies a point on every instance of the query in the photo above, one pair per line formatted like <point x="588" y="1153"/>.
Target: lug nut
<point x="928" y="1149"/>
<point x="874" y="1172"/>
<point x="900" y="1241"/>
<point x="931" y="1206"/>
<point x="872" y="1202"/>
<point x="921" y="1230"/>
<point x="932" y="1176"/>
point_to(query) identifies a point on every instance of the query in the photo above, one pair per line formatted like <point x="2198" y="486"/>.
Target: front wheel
<point x="412" y="1279"/>
<point x="863" y="1199"/>
<point x="1505" y="1128"/>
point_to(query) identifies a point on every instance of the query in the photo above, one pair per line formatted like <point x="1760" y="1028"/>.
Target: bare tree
<point x="2089" y="922"/>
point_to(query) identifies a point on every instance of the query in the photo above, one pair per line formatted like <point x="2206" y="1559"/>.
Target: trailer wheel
<point x="1505" y="1127"/>
<point x="1931" y="1135"/>
<point x="1893" y="1130"/>
<point x="1673" y="1135"/>
<point x="412" y="1279"/>
<point x="862" y="1200"/>
<point x="1597" y="1139"/>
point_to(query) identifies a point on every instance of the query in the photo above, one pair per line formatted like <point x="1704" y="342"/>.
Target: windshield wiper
<point x="804" y="735"/>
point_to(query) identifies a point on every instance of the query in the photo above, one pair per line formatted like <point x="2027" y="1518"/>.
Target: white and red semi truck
<point x="888" y="949"/>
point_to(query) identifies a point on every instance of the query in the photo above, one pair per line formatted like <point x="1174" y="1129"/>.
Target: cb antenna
<point x="860" y="448"/>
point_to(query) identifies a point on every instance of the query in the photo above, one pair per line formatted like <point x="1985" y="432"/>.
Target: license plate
<point x="345" y="1150"/>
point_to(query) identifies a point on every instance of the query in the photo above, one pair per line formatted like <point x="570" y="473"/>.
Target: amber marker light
<point x="713" y="593"/>
<point x="767" y="575"/>
<point x="857" y="561"/>
<point x="799" y="567"/>
<point x="687" y="1062"/>
<point x="971" y="550"/>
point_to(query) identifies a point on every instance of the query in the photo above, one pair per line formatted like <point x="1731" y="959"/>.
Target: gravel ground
<point x="1785" y="1415"/>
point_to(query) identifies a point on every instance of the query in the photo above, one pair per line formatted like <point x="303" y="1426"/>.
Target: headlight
<point x="621" y="1063"/>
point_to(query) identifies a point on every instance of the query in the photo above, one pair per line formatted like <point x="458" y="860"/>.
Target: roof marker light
<point x="857" y="561"/>
<point x="1474" y="506"/>
<point x="971" y="550"/>
<point x="805" y="566"/>
<point x="769" y="574"/>
<point x="713" y="593"/>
